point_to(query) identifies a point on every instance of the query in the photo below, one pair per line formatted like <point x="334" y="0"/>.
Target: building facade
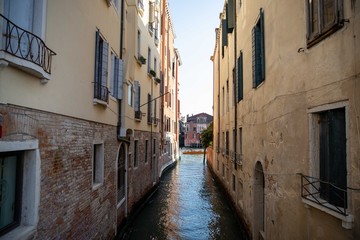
<point x="194" y="125"/>
<point x="170" y="64"/>
<point x="79" y="115"/>
<point x="286" y="149"/>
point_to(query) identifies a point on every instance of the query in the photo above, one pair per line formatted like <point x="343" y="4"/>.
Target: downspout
<point x="118" y="128"/>
<point x="235" y="87"/>
<point x="118" y="133"/>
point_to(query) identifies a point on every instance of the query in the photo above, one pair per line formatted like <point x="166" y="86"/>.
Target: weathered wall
<point x="70" y="208"/>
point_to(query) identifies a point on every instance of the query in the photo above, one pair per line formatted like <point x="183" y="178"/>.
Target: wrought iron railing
<point x="101" y="92"/>
<point x="25" y="45"/>
<point x="324" y="193"/>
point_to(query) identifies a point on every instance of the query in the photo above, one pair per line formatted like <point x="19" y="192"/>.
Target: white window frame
<point x="31" y="187"/>
<point x="315" y="161"/>
<point x="39" y="27"/>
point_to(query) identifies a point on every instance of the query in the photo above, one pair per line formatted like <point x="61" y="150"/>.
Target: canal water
<point x="187" y="205"/>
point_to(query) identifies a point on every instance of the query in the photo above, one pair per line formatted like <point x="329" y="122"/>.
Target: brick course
<point x="69" y="206"/>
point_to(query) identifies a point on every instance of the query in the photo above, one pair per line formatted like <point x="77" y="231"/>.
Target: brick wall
<point x="69" y="206"/>
<point x="141" y="177"/>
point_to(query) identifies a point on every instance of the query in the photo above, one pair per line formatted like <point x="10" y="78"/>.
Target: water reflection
<point x="187" y="205"/>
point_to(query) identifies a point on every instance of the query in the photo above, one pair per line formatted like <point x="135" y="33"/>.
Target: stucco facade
<point x="79" y="115"/>
<point x="284" y="87"/>
<point x="170" y="64"/>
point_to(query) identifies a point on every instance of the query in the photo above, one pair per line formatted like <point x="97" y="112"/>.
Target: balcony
<point x="326" y="197"/>
<point x="101" y="94"/>
<point x="24" y="50"/>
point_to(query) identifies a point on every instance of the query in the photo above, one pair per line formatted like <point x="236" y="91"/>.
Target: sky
<point x="194" y="22"/>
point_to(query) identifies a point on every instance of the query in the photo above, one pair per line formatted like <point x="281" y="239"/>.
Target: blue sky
<point x="194" y="23"/>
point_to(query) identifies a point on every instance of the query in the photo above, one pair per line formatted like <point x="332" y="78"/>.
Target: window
<point x="233" y="183"/>
<point x="149" y="109"/>
<point x="136" y="153"/>
<point x="121" y="174"/>
<point x="24" y="36"/>
<point x="116" y="77"/>
<point x="130" y="94"/>
<point x="11" y="167"/>
<point x="155" y="120"/>
<point x="227" y="143"/>
<point x="324" y="17"/>
<point x="240" y="77"/>
<point x="194" y="129"/>
<point x="154" y="147"/>
<point x="19" y="189"/>
<point x="328" y="144"/>
<point x="149" y="60"/>
<point x="258" y="51"/>
<point x="155" y="65"/>
<point x="98" y="163"/>
<point x="240" y="142"/>
<point x="332" y="155"/>
<point x="146" y="150"/>
<point x="227" y="96"/>
<point x="101" y="69"/>
<point x="138" y="44"/>
<point x="224" y="35"/>
<point x="137" y="96"/>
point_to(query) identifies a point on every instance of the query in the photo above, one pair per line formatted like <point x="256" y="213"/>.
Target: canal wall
<point x="224" y="187"/>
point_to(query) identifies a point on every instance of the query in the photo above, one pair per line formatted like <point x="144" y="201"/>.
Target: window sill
<point x="24" y="65"/>
<point x="347" y="221"/>
<point x="101" y="102"/>
<point x="19" y="233"/>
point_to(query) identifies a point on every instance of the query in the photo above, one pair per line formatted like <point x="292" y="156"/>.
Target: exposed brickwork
<point x="142" y="176"/>
<point x="69" y="206"/>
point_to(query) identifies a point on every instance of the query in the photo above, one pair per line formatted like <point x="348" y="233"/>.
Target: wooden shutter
<point x="137" y="96"/>
<point x="262" y="47"/>
<point x="230" y="15"/>
<point x="97" y="53"/>
<point x="224" y="32"/>
<point x="240" y="76"/>
<point x="120" y="79"/>
<point x="104" y="64"/>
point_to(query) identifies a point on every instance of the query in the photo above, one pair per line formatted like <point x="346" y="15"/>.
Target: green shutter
<point x="240" y="77"/>
<point x="258" y="51"/>
<point x="262" y="36"/>
<point x="230" y="15"/>
<point x="224" y="32"/>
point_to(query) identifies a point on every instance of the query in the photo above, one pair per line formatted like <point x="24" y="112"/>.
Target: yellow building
<point x="80" y="110"/>
<point x="169" y="84"/>
<point x="286" y="116"/>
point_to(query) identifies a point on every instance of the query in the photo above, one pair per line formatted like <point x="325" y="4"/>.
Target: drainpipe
<point x="235" y="87"/>
<point x="118" y="130"/>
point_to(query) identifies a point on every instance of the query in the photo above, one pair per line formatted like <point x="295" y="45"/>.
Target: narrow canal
<point x="187" y="205"/>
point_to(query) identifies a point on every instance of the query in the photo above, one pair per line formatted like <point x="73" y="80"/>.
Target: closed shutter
<point x="104" y="64"/>
<point x="120" y="79"/>
<point x="230" y="15"/>
<point x="224" y="32"/>
<point x="137" y="96"/>
<point x="240" y="76"/>
<point x="97" y="60"/>
<point x="262" y="42"/>
<point x="258" y="55"/>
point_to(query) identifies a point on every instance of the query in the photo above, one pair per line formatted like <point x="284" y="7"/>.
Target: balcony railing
<point x="25" y="45"/>
<point x="101" y="92"/>
<point x="316" y="190"/>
